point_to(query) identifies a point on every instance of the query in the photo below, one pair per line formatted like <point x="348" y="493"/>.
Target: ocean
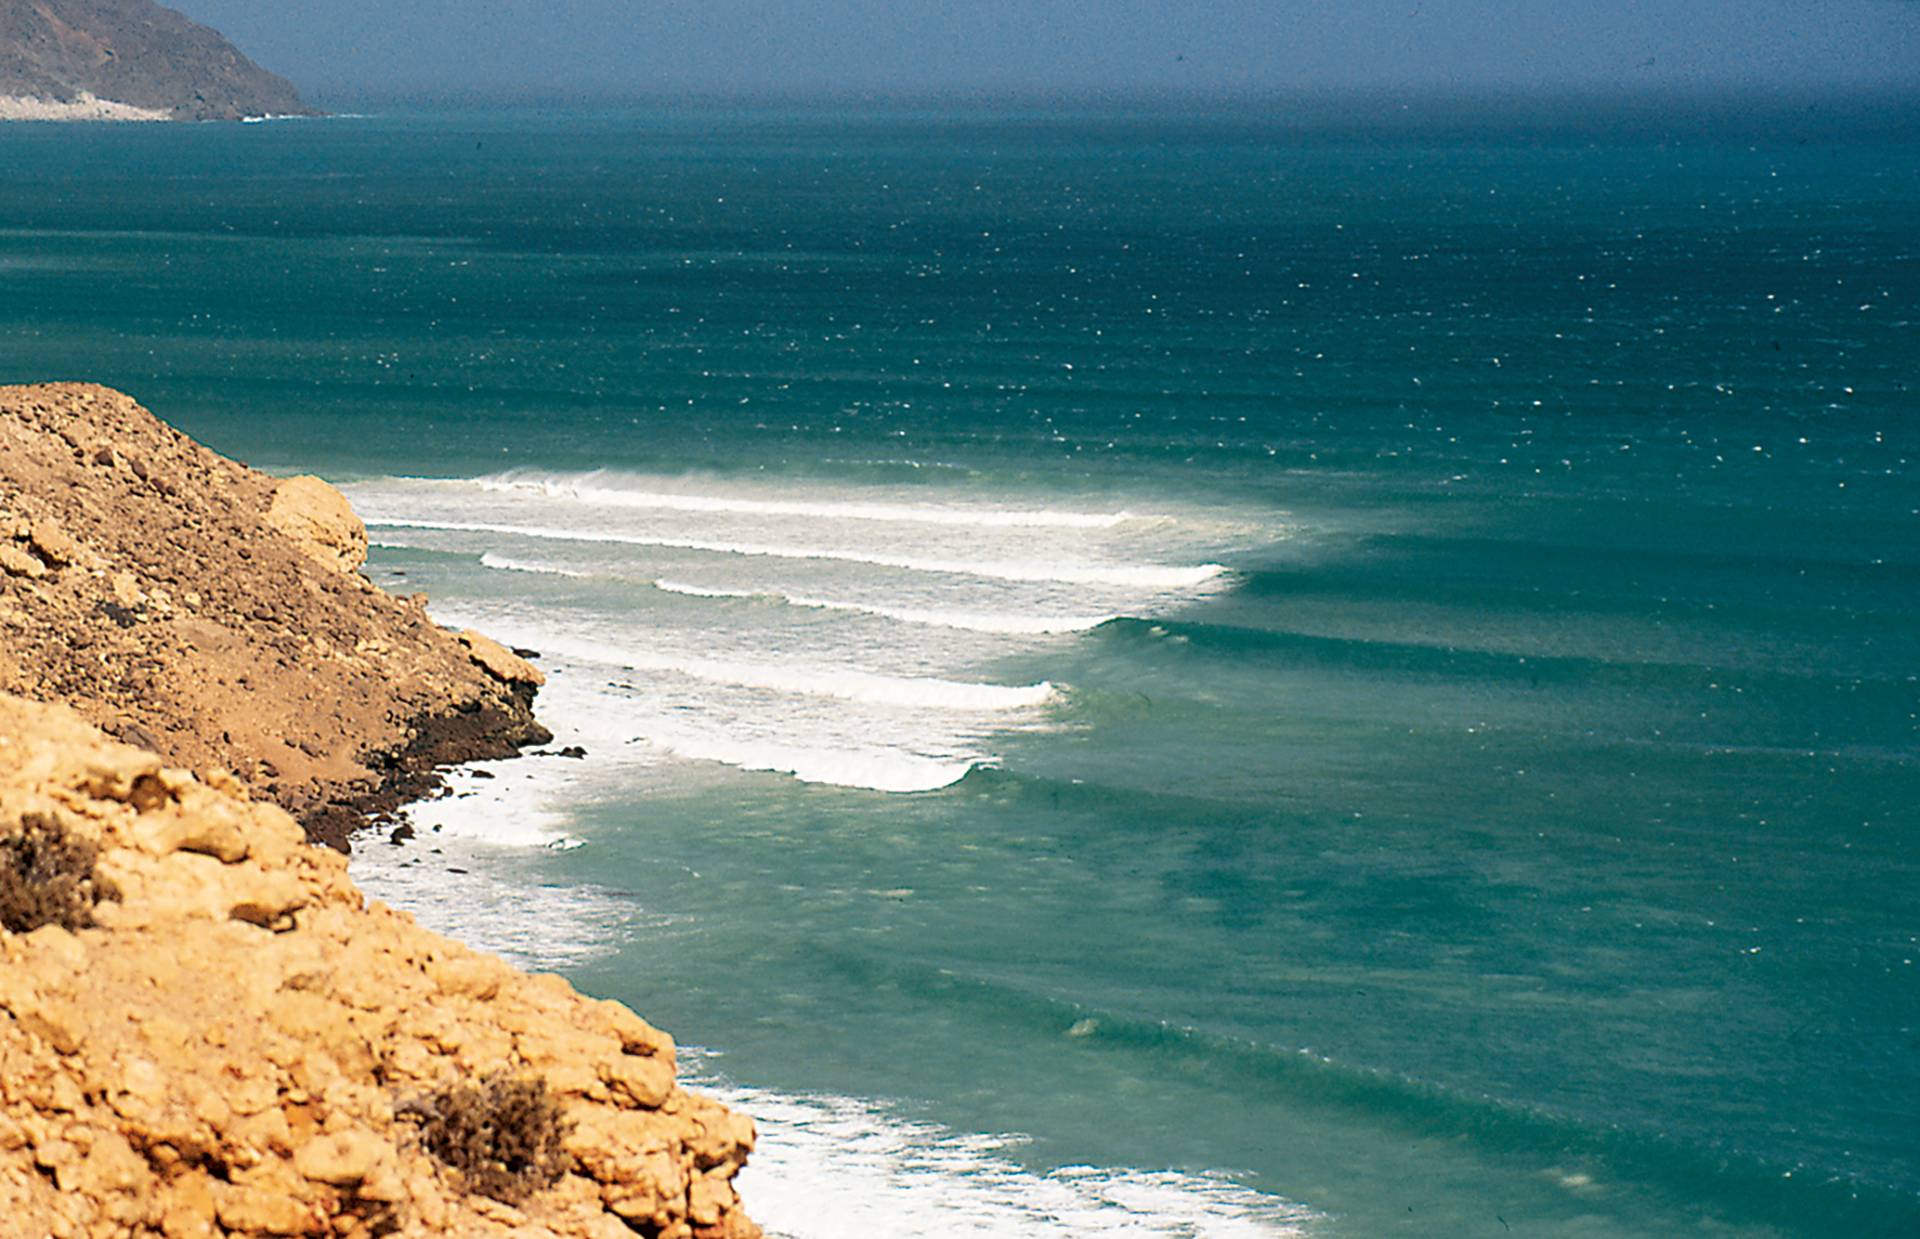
<point x="1202" y="672"/>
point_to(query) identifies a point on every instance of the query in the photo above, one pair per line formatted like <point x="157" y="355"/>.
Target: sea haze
<point x="1183" y="673"/>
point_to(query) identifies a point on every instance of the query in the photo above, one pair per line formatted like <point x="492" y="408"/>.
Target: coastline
<point x="359" y="1075"/>
<point x="128" y="60"/>
<point x="1451" y="790"/>
<point x="84" y="108"/>
<point x="223" y="619"/>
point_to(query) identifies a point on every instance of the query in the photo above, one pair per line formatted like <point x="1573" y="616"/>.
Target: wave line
<point x="971" y="621"/>
<point x="1145" y="576"/>
<point x="844" y="684"/>
<point x="617" y="497"/>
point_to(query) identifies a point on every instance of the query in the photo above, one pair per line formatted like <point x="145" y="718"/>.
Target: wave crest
<point x="605" y="490"/>
<point x="1144" y="576"/>
<point x="971" y="621"/>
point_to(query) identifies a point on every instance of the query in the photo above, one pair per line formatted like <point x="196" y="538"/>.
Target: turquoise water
<point x="1181" y="675"/>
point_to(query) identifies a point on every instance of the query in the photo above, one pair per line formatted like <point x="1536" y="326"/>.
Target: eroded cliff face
<point x="133" y="55"/>
<point x="214" y="615"/>
<point x="238" y="1044"/>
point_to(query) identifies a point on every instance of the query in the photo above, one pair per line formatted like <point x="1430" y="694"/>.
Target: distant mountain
<point x="128" y="58"/>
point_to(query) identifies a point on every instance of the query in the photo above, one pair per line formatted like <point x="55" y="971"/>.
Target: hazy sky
<point x="940" y="46"/>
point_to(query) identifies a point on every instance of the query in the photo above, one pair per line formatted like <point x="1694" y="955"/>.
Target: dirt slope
<point x="202" y="610"/>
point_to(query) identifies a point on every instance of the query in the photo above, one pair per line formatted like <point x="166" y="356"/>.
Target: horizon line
<point x="1477" y="94"/>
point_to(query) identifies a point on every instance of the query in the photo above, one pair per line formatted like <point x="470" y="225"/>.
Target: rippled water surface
<point x="1185" y="675"/>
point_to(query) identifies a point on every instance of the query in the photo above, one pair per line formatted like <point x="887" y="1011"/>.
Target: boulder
<point x="319" y="520"/>
<point x="500" y="662"/>
<point x="16" y="562"/>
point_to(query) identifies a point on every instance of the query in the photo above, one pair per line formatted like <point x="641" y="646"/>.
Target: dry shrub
<point x="504" y="1135"/>
<point x="47" y="878"/>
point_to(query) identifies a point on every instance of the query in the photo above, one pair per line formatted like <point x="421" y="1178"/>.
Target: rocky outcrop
<point x="209" y="613"/>
<point x="499" y="661"/>
<point x="205" y="1030"/>
<point x="128" y="59"/>
<point x="318" y="519"/>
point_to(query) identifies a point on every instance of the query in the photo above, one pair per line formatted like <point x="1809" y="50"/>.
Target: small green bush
<point x="504" y="1135"/>
<point x="47" y="878"/>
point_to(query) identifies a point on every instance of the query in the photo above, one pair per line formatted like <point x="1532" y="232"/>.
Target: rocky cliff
<point x="206" y="1031"/>
<point x="105" y="59"/>
<point x="214" y="616"/>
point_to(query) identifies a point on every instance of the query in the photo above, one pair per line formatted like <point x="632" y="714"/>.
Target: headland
<point x="205" y="1028"/>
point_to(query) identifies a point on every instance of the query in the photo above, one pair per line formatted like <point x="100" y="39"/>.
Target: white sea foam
<point x="837" y="682"/>
<point x="606" y="491"/>
<point x="884" y="734"/>
<point x="468" y="891"/>
<point x="877" y="770"/>
<point x="830" y="1167"/>
<point x="939" y="585"/>
<point x="462" y="874"/>
<point x="774" y="689"/>
<point x="971" y="621"/>
<point x="1141" y="576"/>
<point x="501" y="563"/>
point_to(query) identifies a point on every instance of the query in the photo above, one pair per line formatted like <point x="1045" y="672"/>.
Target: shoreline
<point x="84" y="108"/>
<point x="827" y="1164"/>
<point x="149" y="1085"/>
<point x="222" y="619"/>
<point x="210" y="1029"/>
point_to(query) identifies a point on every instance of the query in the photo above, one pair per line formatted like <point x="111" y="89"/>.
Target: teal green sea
<point x="1182" y="673"/>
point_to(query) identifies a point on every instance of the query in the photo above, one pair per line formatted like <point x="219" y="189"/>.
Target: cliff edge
<point x="205" y="1030"/>
<point x="215" y="616"/>
<point x="128" y="60"/>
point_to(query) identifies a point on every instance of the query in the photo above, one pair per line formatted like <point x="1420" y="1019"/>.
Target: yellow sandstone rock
<point x="53" y="545"/>
<point x="172" y="1071"/>
<point x="211" y="614"/>
<point x="500" y="662"/>
<point x="319" y="520"/>
<point x="16" y="562"/>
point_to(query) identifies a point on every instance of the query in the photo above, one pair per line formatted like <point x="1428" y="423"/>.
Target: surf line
<point x="586" y="492"/>
<point x="1154" y="576"/>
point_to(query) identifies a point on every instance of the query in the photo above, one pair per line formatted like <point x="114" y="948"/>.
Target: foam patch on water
<point x="834" y="1167"/>
<point x="970" y="621"/>
<point x="1142" y="576"/>
<point x="617" y="491"/>
<point x="834" y="634"/>
<point x="871" y="769"/>
<point x="502" y="563"/>
<point x="472" y="890"/>
<point x="844" y="684"/>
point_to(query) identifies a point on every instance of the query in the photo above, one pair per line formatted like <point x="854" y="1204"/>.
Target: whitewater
<point x="638" y="686"/>
<point x="701" y="672"/>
